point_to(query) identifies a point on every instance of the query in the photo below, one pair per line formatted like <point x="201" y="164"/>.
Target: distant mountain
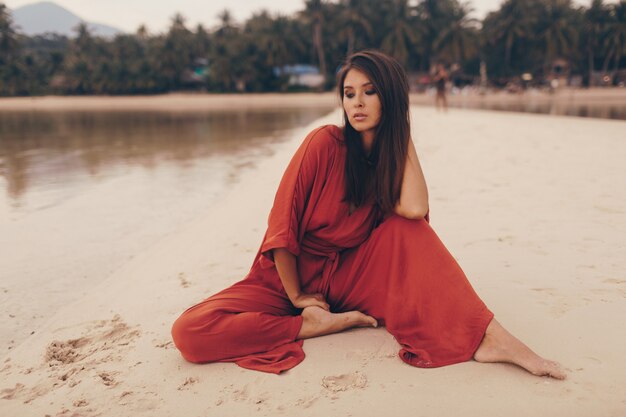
<point x="39" y="18"/>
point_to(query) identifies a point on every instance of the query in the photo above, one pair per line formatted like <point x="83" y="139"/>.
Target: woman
<point x="349" y="244"/>
<point x="441" y="79"/>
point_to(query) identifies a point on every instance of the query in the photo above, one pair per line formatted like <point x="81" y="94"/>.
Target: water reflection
<point x="39" y="149"/>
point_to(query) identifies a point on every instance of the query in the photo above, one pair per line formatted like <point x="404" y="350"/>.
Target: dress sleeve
<point x="300" y="184"/>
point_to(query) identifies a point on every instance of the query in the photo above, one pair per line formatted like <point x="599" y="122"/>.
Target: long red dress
<point x="397" y="271"/>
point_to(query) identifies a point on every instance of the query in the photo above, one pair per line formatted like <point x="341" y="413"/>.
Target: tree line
<point x="522" y="36"/>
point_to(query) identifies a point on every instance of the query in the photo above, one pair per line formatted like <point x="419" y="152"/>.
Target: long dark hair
<point x="378" y="175"/>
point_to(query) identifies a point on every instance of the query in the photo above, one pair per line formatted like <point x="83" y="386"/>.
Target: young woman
<point x="441" y="79"/>
<point x="349" y="244"/>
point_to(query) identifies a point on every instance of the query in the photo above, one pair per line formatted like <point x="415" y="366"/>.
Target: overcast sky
<point x="128" y="15"/>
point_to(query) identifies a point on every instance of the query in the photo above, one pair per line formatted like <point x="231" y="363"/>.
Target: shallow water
<point x="81" y="193"/>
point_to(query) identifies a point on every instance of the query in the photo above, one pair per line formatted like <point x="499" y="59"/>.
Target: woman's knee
<point x="190" y="335"/>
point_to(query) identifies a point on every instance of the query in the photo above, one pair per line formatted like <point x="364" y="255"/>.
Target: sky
<point x="128" y="15"/>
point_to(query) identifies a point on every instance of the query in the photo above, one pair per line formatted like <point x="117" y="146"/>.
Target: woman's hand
<point x="288" y="272"/>
<point x="308" y="300"/>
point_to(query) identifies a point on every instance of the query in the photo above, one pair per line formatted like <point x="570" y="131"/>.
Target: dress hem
<point x="465" y="357"/>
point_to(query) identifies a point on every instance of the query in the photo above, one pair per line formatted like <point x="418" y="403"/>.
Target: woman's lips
<point x="359" y="117"/>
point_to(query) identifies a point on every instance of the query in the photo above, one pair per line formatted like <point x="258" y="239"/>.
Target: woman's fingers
<point x="322" y="301"/>
<point x="324" y="305"/>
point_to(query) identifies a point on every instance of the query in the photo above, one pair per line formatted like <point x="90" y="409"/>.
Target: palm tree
<point x="268" y="37"/>
<point x="432" y="17"/>
<point x="314" y="11"/>
<point x="176" y="52"/>
<point x="81" y="61"/>
<point x="201" y="42"/>
<point x="142" y="33"/>
<point x="266" y="44"/>
<point x="556" y="31"/>
<point x="225" y="64"/>
<point x="616" y="34"/>
<point x="401" y="37"/>
<point x="354" y="22"/>
<point x="458" y="39"/>
<point x="595" y="21"/>
<point x="227" y="23"/>
<point x="9" y="54"/>
<point x="8" y="37"/>
<point x="513" y="25"/>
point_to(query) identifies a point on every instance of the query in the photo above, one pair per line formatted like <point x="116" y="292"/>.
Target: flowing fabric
<point x="394" y="269"/>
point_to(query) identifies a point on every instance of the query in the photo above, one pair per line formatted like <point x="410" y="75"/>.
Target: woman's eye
<point x="351" y="94"/>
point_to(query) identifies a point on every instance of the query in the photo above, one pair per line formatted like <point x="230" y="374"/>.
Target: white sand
<point x="534" y="209"/>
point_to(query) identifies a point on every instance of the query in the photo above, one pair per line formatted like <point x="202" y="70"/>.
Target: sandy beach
<point x="533" y="208"/>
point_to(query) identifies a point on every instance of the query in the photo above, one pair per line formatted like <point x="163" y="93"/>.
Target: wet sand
<point x="532" y="207"/>
<point x="175" y="102"/>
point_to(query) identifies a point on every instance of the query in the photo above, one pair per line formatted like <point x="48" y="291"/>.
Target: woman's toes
<point x="557" y="371"/>
<point x="365" y="320"/>
<point x="551" y="369"/>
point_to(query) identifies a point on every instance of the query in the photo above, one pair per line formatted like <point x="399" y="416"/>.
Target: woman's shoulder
<point x="333" y="131"/>
<point x="322" y="142"/>
<point x="325" y="135"/>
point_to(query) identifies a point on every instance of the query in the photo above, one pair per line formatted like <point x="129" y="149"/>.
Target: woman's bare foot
<point x="318" y="322"/>
<point x="499" y="345"/>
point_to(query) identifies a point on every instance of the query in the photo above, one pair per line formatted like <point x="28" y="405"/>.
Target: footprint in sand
<point x="188" y="383"/>
<point x="108" y="379"/>
<point x="241" y="394"/>
<point x="10" y="393"/>
<point x="80" y="403"/>
<point x="183" y="280"/>
<point x="165" y="345"/>
<point x="609" y="210"/>
<point x="306" y="402"/>
<point x="344" y="382"/>
<point x="558" y="302"/>
<point x="619" y="284"/>
<point x="67" y="361"/>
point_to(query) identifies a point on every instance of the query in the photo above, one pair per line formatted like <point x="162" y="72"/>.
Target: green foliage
<point x="521" y="36"/>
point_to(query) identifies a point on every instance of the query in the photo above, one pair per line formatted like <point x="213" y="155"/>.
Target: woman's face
<point x="361" y="102"/>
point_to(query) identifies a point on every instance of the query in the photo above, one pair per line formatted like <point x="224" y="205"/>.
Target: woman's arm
<point x="285" y="262"/>
<point x="413" y="203"/>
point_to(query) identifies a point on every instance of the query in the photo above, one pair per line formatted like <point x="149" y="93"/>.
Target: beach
<point x="180" y="102"/>
<point x="532" y="207"/>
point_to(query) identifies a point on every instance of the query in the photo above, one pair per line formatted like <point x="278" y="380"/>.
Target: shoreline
<point x="209" y="101"/>
<point x="169" y="102"/>
<point x="539" y="238"/>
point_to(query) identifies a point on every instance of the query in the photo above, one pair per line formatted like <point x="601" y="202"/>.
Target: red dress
<point x="397" y="271"/>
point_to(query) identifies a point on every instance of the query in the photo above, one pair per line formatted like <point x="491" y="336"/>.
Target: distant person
<point x="440" y="79"/>
<point x="349" y="244"/>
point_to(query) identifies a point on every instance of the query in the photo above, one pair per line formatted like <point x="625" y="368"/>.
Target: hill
<point x="44" y="17"/>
